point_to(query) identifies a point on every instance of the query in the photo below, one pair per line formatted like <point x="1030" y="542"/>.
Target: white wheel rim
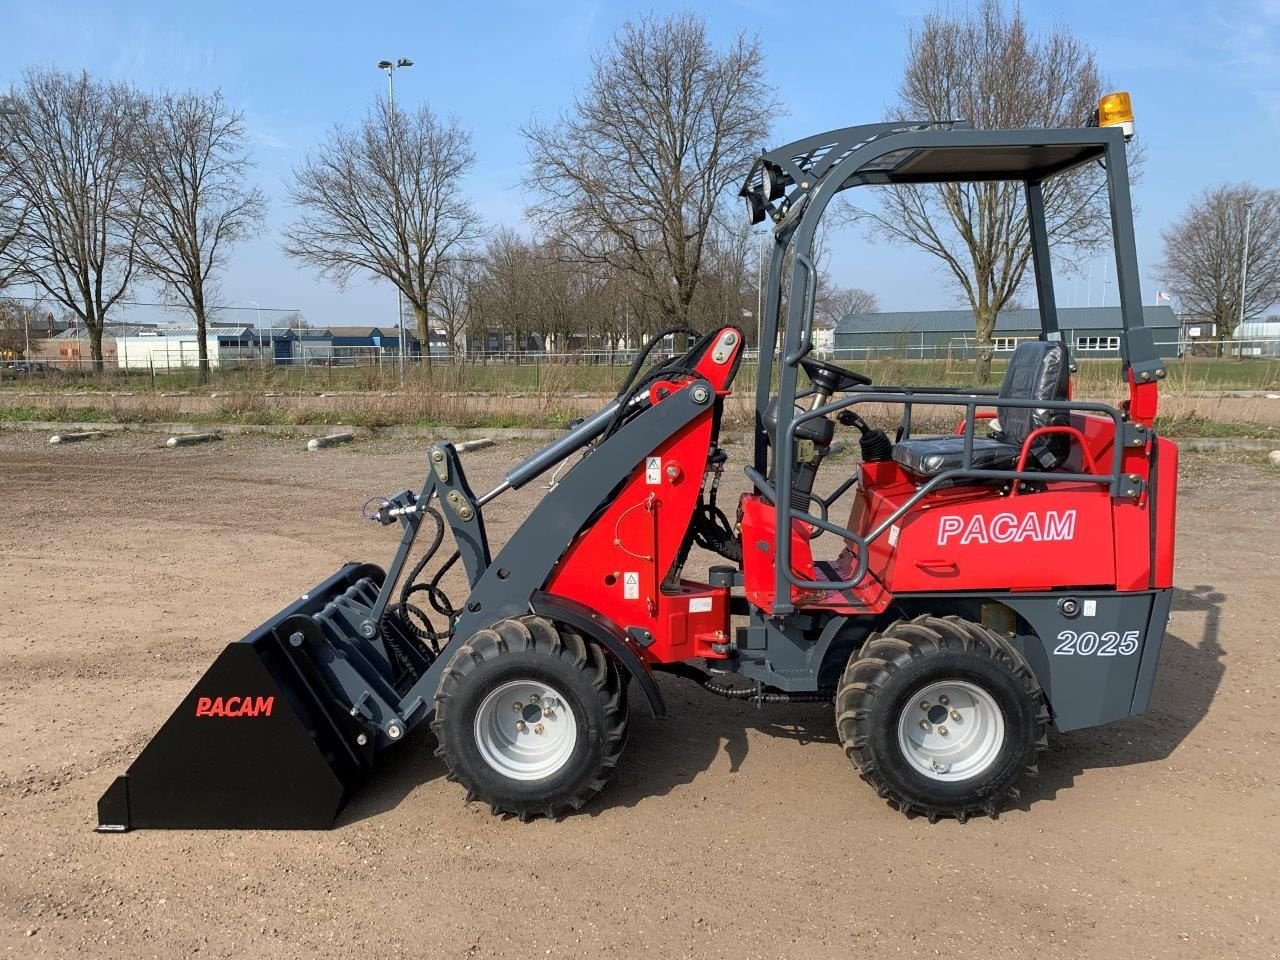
<point x="525" y="730"/>
<point x="951" y="730"/>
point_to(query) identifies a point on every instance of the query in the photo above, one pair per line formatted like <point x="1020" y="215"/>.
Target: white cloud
<point x="1251" y="42"/>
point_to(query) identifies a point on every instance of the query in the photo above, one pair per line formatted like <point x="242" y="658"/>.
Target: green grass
<point x="557" y="378"/>
<point x="1193" y="425"/>
<point x="59" y="414"/>
<point x="280" y="418"/>
<point x="1181" y="426"/>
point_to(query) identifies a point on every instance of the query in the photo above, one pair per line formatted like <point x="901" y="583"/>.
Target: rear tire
<point x="531" y="718"/>
<point x="942" y="716"/>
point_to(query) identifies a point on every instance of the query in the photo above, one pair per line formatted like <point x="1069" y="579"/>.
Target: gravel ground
<point x="727" y="832"/>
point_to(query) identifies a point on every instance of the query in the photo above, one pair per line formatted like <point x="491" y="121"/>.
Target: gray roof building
<point x="962" y="322"/>
<point x="81" y="332"/>
<point x="940" y="334"/>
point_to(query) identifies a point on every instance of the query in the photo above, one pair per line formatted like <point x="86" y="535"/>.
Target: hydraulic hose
<point x="406" y="617"/>
<point x="757" y="693"/>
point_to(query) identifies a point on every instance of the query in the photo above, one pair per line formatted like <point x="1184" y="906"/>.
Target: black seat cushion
<point x="930" y="456"/>
<point x="1038" y="370"/>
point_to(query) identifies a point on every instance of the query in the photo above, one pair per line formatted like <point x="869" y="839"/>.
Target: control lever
<point x="874" y="442"/>
<point x="850" y="419"/>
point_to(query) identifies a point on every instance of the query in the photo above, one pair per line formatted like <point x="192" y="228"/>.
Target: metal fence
<point x="494" y="372"/>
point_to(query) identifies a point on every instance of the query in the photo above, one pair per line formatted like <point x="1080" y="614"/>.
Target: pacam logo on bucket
<point x="1007" y="528"/>
<point x="234" y="706"/>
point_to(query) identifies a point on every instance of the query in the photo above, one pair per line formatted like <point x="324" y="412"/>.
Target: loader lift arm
<point x="340" y="668"/>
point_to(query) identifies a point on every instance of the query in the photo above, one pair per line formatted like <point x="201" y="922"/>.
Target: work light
<point x="771" y="184"/>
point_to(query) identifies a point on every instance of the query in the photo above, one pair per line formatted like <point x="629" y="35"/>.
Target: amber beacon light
<point x="1116" y="110"/>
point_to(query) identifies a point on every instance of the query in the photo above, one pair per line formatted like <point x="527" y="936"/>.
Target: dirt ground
<point x="727" y="832"/>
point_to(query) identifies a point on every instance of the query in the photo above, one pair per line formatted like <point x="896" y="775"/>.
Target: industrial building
<point x="173" y="348"/>
<point x="949" y="334"/>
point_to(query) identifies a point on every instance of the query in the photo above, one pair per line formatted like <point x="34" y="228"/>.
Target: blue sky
<point x="1205" y="79"/>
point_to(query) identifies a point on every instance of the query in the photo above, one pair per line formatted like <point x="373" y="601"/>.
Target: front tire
<point x="942" y="716"/>
<point x="531" y="718"/>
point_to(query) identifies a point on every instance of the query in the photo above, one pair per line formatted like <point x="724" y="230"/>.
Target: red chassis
<point x="1067" y="535"/>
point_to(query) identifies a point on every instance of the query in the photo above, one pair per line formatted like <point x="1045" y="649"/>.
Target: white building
<point x="1258" y="338"/>
<point x="174" y="348"/>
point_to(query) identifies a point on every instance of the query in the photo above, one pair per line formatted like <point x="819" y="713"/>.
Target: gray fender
<point x="605" y="632"/>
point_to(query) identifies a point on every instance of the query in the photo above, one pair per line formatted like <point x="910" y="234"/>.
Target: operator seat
<point x="1038" y="370"/>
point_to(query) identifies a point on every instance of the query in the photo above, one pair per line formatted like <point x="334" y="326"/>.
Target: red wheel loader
<point x="955" y="597"/>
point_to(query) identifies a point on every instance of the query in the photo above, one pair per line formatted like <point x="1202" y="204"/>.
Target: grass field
<point x="566" y="378"/>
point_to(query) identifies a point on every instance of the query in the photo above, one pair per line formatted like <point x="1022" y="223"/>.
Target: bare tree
<point x="833" y="303"/>
<point x="637" y="172"/>
<point x="728" y="287"/>
<point x="193" y="158"/>
<point x="386" y="199"/>
<point x="13" y="213"/>
<point x="1204" y="251"/>
<point x="451" y="306"/>
<point x="69" y="154"/>
<point x="503" y="302"/>
<point x="295" y="321"/>
<point x="987" y="68"/>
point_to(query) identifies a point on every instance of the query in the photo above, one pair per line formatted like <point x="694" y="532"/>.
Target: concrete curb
<point x="496" y="434"/>
<point x="1225" y="444"/>
<point x="76" y="437"/>
<point x="292" y="430"/>
<point x="330" y="440"/>
<point x="190" y="439"/>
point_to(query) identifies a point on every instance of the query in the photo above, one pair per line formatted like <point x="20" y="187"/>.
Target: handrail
<point x="1085" y="454"/>
<point x="981" y="415"/>
<point x="810" y="292"/>
<point x="781" y="496"/>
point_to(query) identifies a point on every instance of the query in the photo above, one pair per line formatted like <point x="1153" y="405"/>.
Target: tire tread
<point x="885" y="653"/>
<point x="536" y="634"/>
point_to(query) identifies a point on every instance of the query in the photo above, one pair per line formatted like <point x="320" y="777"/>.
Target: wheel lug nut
<point x="534" y="698"/>
<point x="520" y="726"/>
<point x="538" y="729"/>
<point x="549" y="713"/>
<point x="943" y="731"/>
<point x="517" y="706"/>
<point x="944" y="700"/>
<point x="924" y="704"/>
<point x="926" y="725"/>
<point x="955" y="715"/>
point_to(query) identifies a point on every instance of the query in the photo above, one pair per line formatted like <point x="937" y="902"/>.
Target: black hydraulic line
<point x="758" y="694"/>
<point x="405" y="617"/>
<point x="643" y="355"/>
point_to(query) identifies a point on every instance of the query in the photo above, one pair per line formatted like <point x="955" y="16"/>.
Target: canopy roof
<point x="924" y="152"/>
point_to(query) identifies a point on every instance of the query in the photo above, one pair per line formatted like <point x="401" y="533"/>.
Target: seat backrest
<point x="1038" y="370"/>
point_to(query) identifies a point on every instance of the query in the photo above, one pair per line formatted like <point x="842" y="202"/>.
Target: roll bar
<point x="809" y="173"/>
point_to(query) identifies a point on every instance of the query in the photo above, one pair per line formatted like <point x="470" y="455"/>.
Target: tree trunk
<point x="95" y="345"/>
<point x="424" y="332"/>
<point x="202" y="347"/>
<point x="985" y="325"/>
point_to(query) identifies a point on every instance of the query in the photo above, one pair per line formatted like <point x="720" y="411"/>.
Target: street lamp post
<point x="391" y="67"/>
<point x="1244" y="266"/>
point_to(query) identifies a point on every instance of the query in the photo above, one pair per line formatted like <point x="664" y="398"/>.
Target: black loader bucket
<point x="261" y="741"/>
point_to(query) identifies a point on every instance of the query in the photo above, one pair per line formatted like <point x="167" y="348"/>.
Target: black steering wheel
<point x="831" y="379"/>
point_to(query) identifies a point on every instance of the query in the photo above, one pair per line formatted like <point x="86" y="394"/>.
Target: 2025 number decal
<point x="1090" y="644"/>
